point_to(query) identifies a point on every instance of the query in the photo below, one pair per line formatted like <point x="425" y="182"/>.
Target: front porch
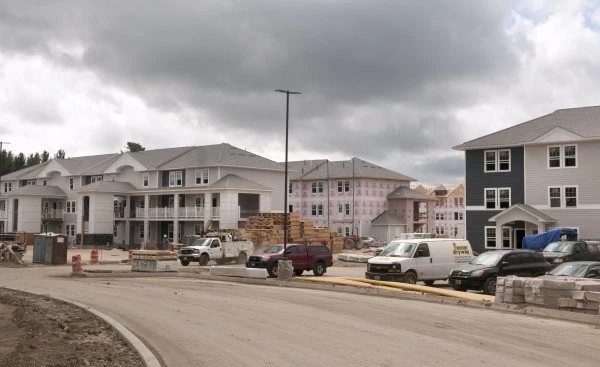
<point x="514" y="223"/>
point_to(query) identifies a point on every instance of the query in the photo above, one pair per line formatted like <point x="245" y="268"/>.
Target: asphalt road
<point x="192" y="322"/>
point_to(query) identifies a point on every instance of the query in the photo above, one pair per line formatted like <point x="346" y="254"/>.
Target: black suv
<point x="482" y="271"/>
<point x="562" y="251"/>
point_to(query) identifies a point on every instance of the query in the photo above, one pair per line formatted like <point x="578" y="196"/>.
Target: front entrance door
<point x="519" y="234"/>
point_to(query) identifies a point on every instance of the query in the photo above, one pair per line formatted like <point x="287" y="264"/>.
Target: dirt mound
<point x="41" y="331"/>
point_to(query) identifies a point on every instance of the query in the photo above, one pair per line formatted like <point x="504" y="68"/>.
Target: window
<point x="141" y="228"/>
<point x="458" y="216"/>
<point x="95" y="179"/>
<point x="347" y="231"/>
<point x="30" y="182"/>
<point x="344" y="186"/>
<point x="70" y="206"/>
<point x="497" y="160"/>
<point x="340" y="208"/>
<point x="562" y="156"/>
<point x="7" y="187"/>
<point x="201" y="177"/>
<point x="497" y="198"/>
<point x="200" y="201"/>
<point x="175" y="178"/>
<point x="71" y="183"/>
<point x="43" y="182"/>
<point x="317" y="209"/>
<point x="490" y="237"/>
<point x="347" y="208"/>
<point x="290" y="188"/>
<point x="506" y="237"/>
<point x="556" y="195"/>
<point x="290" y="208"/>
<point x="146" y="179"/>
<point x="115" y="231"/>
<point x="317" y="187"/>
<point x="70" y="230"/>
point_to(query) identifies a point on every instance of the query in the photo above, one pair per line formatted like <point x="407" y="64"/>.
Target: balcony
<point x="420" y="217"/>
<point x="188" y="212"/>
<point x="49" y="214"/>
<point x="119" y="212"/>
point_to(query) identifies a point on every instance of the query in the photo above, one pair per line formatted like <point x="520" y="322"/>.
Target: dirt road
<point x="191" y="322"/>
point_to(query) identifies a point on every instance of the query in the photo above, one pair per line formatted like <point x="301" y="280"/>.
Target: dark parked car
<point x="310" y="256"/>
<point x="562" y="251"/>
<point x="481" y="273"/>
<point x="578" y="269"/>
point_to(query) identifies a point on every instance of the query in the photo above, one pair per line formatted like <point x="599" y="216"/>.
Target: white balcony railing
<point x="51" y="214"/>
<point x="191" y="212"/>
<point x="169" y="212"/>
<point x="214" y="212"/>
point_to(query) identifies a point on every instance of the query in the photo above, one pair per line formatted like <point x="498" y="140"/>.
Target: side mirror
<point x="504" y="263"/>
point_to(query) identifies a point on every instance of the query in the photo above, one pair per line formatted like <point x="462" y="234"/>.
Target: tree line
<point x="10" y="162"/>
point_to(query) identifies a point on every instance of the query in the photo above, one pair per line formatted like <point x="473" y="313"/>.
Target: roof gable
<point x="123" y="161"/>
<point x="353" y="168"/>
<point x="558" y="134"/>
<point x="236" y="182"/>
<point x="53" y="166"/>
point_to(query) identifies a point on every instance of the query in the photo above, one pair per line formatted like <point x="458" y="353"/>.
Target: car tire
<point x="459" y="289"/>
<point x="273" y="270"/>
<point x="429" y="283"/>
<point x="298" y="272"/>
<point x="203" y="260"/>
<point x="319" y="268"/>
<point x="348" y="244"/>
<point x="489" y="286"/>
<point x="185" y="263"/>
<point x="410" y="277"/>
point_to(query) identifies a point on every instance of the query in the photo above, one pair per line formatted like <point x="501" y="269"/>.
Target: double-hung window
<point x="562" y="156"/>
<point x="497" y="160"/>
<point x="70" y="206"/>
<point x="317" y="209"/>
<point x="175" y="178"/>
<point x="146" y="179"/>
<point x="497" y="198"/>
<point x="202" y="177"/>
<point x="7" y="186"/>
<point x="490" y="237"/>
<point x="562" y="196"/>
<point x="71" y="183"/>
<point x="347" y="208"/>
<point x="317" y="187"/>
<point x="343" y="185"/>
<point x="70" y="230"/>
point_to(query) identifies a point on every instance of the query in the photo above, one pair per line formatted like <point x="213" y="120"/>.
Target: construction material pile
<point x="153" y="261"/>
<point x="569" y="294"/>
<point x="268" y="229"/>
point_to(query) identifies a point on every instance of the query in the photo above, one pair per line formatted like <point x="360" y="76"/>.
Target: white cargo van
<point x="420" y="259"/>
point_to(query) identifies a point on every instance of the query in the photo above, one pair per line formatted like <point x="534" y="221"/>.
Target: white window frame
<point x="563" y="196"/>
<point x="200" y="201"/>
<point x="70" y="229"/>
<point x="343" y="185"/>
<point x="347" y="208"/>
<point x="95" y="179"/>
<point x="340" y="208"/>
<point x="497" y="200"/>
<point x="550" y="197"/>
<point x="7" y="186"/>
<point x="506" y="236"/>
<point x="71" y="183"/>
<point x="290" y="188"/>
<point x="146" y="179"/>
<point x="175" y="178"/>
<point x="317" y="209"/>
<point x="202" y="176"/>
<point x="496" y="160"/>
<point x="562" y="156"/>
<point x="488" y="239"/>
<point x="31" y="182"/>
<point x="70" y="207"/>
<point x="317" y="187"/>
<point x="506" y="189"/>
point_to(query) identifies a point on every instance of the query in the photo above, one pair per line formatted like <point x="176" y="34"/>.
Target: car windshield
<point x="398" y="249"/>
<point x="273" y="249"/>
<point x="487" y="258"/>
<point x="570" y="270"/>
<point x="559" y="247"/>
<point x="202" y="242"/>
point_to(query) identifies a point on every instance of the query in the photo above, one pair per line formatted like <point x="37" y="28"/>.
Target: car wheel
<point x="298" y="272"/>
<point x="185" y="263"/>
<point x="348" y="244"/>
<point x="410" y="277"/>
<point x="319" y="268"/>
<point x="203" y="260"/>
<point x="429" y="283"/>
<point x="241" y="259"/>
<point x="273" y="270"/>
<point x="489" y="286"/>
<point x="460" y="289"/>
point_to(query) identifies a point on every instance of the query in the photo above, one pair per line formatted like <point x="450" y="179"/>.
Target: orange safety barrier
<point x="76" y="264"/>
<point x="94" y="257"/>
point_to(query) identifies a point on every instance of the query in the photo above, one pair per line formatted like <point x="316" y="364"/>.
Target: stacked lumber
<point x="268" y="229"/>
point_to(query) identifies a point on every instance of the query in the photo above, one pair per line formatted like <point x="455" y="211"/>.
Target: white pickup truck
<point x="222" y="248"/>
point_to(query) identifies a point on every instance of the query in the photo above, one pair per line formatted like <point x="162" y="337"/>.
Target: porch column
<point x="146" y="205"/>
<point x="207" y="207"/>
<point x="146" y="232"/>
<point x="498" y="236"/>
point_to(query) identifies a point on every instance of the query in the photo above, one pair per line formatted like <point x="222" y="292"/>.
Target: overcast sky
<point x="396" y="83"/>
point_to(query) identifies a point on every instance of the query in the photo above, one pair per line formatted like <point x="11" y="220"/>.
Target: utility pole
<point x="5" y="206"/>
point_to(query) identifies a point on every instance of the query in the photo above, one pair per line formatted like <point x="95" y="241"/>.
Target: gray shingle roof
<point x="583" y="121"/>
<point x="87" y="165"/>
<point x="386" y="219"/>
<point x="25" y="173"/>
<point x="219" y="155"/>
<point x="231" y="181"/>
<point x="405" y="192"/>
<point x="355" y="167"/>
<point x="38" y="190"/>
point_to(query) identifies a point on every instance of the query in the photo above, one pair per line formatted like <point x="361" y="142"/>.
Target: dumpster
<point x="50" y="248"/>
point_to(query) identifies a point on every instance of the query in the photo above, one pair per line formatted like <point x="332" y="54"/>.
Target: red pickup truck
<point x="309" y="256"/>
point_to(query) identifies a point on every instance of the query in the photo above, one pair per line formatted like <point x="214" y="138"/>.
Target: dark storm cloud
<point x="224" y="58"/>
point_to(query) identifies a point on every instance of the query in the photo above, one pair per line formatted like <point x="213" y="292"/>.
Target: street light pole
<point x="1" y="188"/>
<point x="285" y="191"/>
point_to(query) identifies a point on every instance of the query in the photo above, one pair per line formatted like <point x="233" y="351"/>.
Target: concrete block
<point x="227" y="271"/>
<point x="510" y="281"/>
<point x="551" y="302"/>
<point x="511" y="298"/>
<point x="588" y="285"/>
<point x="515" y="291"/>
<point x="566" y="303"/>
<point x="559" y="293"/>
<point x="256" y="273"/>
<point x="592" y="296"/>
<point x="534" y="299"/>
<point x="587" y="305"/>
<point x="500" y="281"/>
<point x="559" y="284"/>
<point x="285" y="270"/>
<point x="578" y="295"/>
